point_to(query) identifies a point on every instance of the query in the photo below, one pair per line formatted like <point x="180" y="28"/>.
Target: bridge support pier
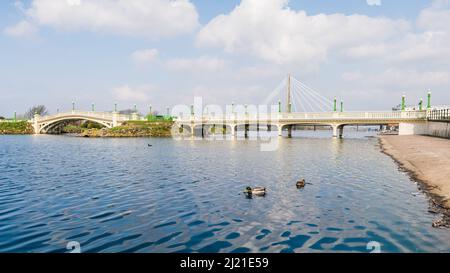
<point x="409" y="128"/>
<point x="233" y="130"/>
<point x="246" y="130"/>
<point x="338" y="130"/>
<point x="115" y="118"/>
<point x="36" y="124"/>
<point x="341" y="131"/>
<point x="289" y="131"/>
<point x="280" y="130"/>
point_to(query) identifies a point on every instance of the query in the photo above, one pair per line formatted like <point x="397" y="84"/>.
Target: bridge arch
<point x="46" y="125"/>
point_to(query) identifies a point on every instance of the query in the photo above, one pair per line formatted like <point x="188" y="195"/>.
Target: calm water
<point x="114" y="195"/>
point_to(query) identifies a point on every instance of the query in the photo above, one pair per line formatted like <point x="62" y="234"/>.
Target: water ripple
<point x="187" y="197"/>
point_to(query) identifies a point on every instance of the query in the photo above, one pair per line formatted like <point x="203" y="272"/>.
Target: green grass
<point x="19" y="127"/>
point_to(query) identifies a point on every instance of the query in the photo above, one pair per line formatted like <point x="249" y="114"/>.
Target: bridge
<point x="407" y="120"/>
<point x="55" y="123"/>
<point x="309" y="109"/>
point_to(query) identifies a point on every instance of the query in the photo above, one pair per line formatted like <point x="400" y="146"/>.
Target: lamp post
<point x="335" y="105"/>
<point x="73" y="106"/>
<point x="421" y="104"/>
<point x="15" y="116"/>
<point x="115" y="107"/>
<point x="403" y="103"/>
<point x="279" y="106"/>
<point x="429" y="100"/>
<point x="342" y="106"/>
<point x="93" y="107"/>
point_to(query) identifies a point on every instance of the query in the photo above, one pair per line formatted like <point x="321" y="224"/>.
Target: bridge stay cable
<point x="312" y="100"/>
<point x="307" y="102"/>
<point x="320" y="104"/>
<point x="315" y="94"/>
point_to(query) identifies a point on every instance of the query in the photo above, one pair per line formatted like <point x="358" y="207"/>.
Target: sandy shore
<point x="427" y="159"/>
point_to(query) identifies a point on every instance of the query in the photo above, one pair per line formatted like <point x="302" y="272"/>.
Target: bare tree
<point x="126" y="112"/>
<point x="37" y="109"/>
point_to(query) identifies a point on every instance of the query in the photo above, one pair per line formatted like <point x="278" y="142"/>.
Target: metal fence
<point x="439" y="115"/>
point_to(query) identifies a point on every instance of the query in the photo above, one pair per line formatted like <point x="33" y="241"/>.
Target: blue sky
<point x="223" y="50"/>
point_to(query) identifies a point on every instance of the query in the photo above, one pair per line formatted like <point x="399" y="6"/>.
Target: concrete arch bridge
<point x="55" y="123"/>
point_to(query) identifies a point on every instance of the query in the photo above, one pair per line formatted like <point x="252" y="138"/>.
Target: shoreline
<point x="427" y="160"/>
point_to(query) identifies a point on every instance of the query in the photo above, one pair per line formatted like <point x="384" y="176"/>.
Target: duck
<point x="300" y="184"/>
<point x="258" y="191"/>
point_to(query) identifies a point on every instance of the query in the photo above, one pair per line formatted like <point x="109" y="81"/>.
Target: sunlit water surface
<point x="114" y="195"/>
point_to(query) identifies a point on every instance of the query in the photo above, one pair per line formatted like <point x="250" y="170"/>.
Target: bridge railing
<point x="439" y="115"/>
<point x="100" y="115"/>
<point x="393" y="115"/>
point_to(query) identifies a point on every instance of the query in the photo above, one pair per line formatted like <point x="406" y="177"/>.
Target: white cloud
<point x="133" y="94"/>
<point x="410" y="78"/>
<point x="351" y="76"/>
<point x="149" y="18"/>
<point x="145" y="56"/>
<point x="21" y="29"/>
<point x="203" y="63"/>
<point x="270" y="30"/>
<point x="399" y="78"/>
<point x="373" y="2"/>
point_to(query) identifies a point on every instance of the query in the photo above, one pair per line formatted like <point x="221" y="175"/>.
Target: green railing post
<point x="279" y="106"/>
<point x="403" y="103"/>
<point x="335" y="105"/>
<point x="421" y="105"/>
<point x="429" y="100"/>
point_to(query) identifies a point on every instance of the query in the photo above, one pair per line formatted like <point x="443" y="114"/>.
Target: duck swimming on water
<point x="301" y="184"/>
<point x="258" y="191"/>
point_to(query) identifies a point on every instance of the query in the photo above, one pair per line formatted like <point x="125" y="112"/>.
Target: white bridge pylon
<point x="296" y="96"/>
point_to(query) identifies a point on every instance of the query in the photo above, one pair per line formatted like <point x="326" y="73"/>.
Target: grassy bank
<point x="133" y="129"/>
<point x="16" y="128"/>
